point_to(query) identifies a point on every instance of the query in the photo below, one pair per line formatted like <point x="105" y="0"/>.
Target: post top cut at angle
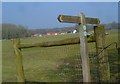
<point x="76" y="19"/>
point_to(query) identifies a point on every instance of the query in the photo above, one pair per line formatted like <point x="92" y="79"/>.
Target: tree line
<point x="10" y="31"/>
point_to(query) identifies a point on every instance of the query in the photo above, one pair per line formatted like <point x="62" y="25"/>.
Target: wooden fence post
<point x="104" y="70"/>
<point x="19" y="65"/>
<point x="84" y="50"/>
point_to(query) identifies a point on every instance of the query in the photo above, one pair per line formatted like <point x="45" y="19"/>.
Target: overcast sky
<point x="44" y="14"/>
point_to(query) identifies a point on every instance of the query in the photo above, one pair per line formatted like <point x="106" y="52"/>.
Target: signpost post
<point x="84" y="50"/>
<point x="82" y="21"/>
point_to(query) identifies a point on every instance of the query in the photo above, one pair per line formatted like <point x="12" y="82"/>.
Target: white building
<point x="75" y="31"/>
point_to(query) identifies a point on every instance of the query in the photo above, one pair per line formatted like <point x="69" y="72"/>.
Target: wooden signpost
<point x="82" y="21"/>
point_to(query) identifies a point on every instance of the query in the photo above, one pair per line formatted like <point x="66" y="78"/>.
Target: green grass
<point x="52" y="64"/>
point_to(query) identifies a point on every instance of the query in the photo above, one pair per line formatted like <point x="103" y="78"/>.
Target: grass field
<point x="54" y="64"/>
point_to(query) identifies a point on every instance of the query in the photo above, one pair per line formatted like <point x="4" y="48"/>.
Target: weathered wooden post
<point x="82" y="21"/>
<point x="19" y="65"/>
<point x="104" y="70"/>
<point x="84" y="50"/>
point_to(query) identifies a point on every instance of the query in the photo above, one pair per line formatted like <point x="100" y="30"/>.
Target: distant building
<point x="74" y="31"/>
<point x="53" y="33"/>
<point x="37" y="35"/>
<point x="106" y="33"/>
<point x="63" y="33"/>
<point x="40" y="35"/>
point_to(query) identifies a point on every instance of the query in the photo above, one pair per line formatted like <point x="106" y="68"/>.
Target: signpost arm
<point x="84" y="50"/>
